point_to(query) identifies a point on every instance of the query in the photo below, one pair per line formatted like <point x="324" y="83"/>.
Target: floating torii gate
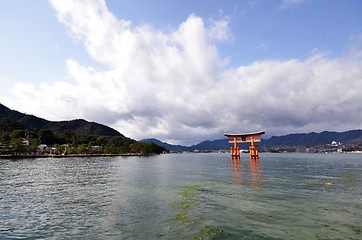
<point x="235" y="150"/>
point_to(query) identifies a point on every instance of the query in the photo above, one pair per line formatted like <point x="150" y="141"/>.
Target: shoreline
<point x="71" y="155"/>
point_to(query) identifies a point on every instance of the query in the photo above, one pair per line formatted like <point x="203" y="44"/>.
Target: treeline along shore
<point x="18" y="140"/>
<point x="17" y="156"/>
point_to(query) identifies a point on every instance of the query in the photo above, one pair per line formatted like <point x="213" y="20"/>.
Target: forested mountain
<point x="31" y="136"/>
<point x="79" y="126"/>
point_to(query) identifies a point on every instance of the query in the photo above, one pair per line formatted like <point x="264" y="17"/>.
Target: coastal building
<point x="335" y="144"/>
<point x="96" y="147"/>
<point x="42" y="148"/>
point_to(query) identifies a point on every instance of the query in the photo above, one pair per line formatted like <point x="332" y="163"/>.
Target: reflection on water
<point x="256" y="177"/>
<point x="247" y="173"/>
<point x="238" y="168"/>
<point x="236" y="173"/>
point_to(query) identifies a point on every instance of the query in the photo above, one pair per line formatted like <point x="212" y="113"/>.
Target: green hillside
<point x="22" y="134"/>
<point x="79" y="126"/>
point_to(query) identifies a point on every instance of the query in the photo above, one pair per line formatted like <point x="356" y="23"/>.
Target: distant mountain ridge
<point x="170" y="147"/>
<point x="290" y="140"/>
<point x="313" y="139"/>
<point x="79" y="126"/>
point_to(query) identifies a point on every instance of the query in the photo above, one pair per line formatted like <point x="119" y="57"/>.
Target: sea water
<point x="183" y="196"/>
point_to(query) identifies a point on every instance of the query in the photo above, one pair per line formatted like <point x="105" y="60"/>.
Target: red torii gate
<point x="235" y="150"/>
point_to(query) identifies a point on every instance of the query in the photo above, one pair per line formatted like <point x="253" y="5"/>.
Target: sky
<point x="185" y="71"/>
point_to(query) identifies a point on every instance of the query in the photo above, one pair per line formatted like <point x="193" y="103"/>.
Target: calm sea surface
<point x="183" y="196"/>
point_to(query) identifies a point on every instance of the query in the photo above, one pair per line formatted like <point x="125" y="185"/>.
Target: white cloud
<point x="220" y="30"/>
<point x="172" y="86"/>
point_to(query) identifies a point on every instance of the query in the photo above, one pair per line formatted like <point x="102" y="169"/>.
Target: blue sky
<point x="185" y="71"/>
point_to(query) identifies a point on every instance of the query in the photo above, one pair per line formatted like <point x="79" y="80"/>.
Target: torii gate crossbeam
<point x="235" y="150"/>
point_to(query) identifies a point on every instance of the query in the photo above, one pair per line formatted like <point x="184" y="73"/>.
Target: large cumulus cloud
<point x="175" y="87"/>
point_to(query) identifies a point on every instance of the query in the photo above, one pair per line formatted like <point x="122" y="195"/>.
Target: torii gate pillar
<point x="253" y="149"/>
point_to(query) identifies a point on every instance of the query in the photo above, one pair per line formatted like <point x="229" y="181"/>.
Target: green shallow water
<point x="183" y="196"/>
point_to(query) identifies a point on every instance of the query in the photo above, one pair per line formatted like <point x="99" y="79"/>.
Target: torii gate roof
<point x="244" y="135"/>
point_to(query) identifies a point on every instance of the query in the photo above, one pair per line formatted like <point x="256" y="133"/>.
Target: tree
<point x="5" y="138"/>
<point x="33" y="146"/>
<point x="18" y="145"/>
<point x="30" y="134"/>
<point x="19" y="133"/>
<point x="82" y="148"/>
<point x="60" y="149"/>
<point x="100" y="141"/>
<point x="46" y="136"/>
<point x="146" y="148"/>
<point x="4" y="143"/>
